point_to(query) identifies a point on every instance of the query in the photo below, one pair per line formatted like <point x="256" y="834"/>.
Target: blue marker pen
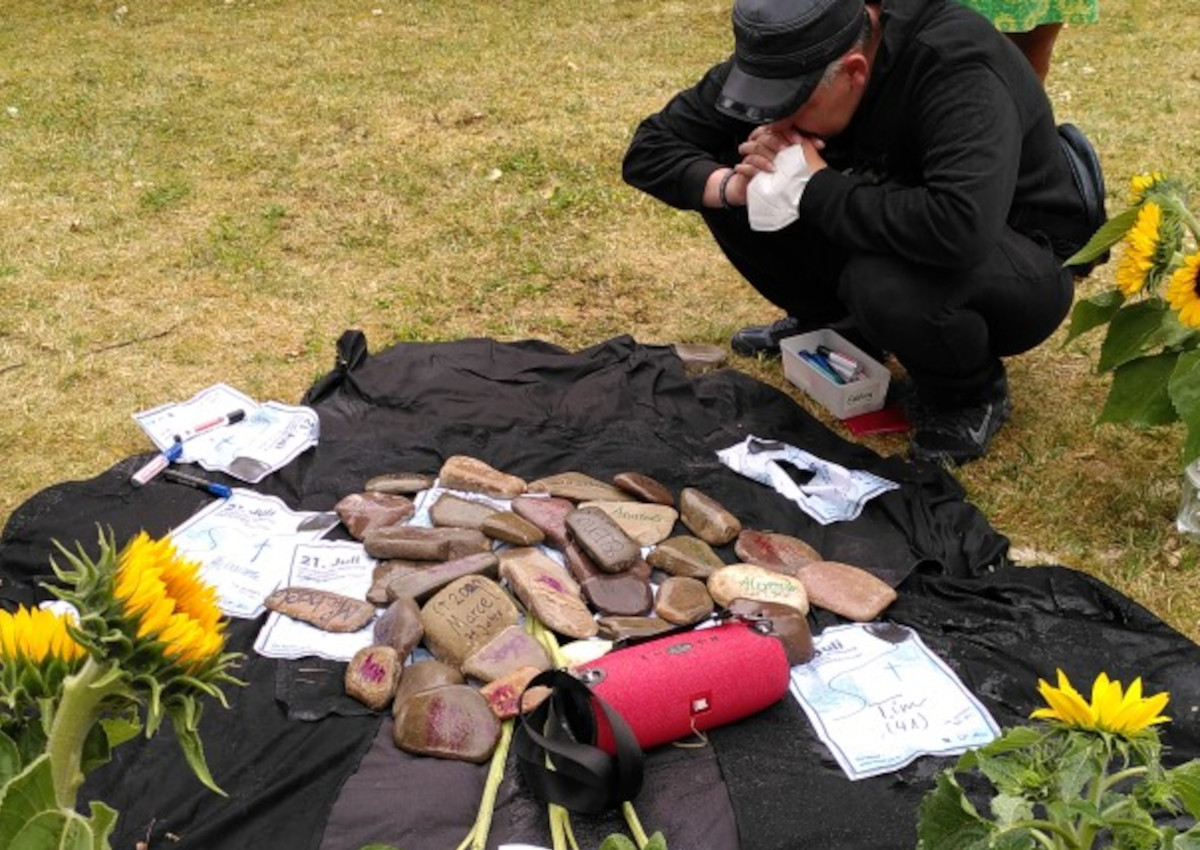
<point x="199" y="483"/>
<point x="157" y="464"/>
<point x="818" y="363"/>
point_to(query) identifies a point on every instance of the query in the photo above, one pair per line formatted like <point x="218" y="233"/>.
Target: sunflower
<point x="35" y="636"/>
<point x="1183" y="290"/>
<point x="164" y="595"/>
<point x="1111" y="709"/>
<point x="1138" y="260"/>
<point x="1141" y="184"/>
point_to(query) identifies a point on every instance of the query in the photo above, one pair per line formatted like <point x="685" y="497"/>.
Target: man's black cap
<point x="782" y="49"/>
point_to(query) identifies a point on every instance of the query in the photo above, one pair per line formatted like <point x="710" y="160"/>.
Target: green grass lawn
<point x="197" y="192"/>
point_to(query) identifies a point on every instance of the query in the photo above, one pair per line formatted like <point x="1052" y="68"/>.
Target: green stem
<point x="1039" y="828"/>
<point x="635" y="825"/>
<point x="1121" y="776"/>
<point x="76" y="714"/>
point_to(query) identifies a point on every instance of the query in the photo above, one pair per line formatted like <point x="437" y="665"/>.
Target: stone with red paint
<point x="423" y="676"/>
<point x="779" y="552"/>
<point x="547" y="591"/>
<point x="508" y="696"/>
<point x="453" y="722"/>
<point x="371" y="676"/>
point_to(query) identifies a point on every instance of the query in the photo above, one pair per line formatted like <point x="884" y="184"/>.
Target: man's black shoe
<point x="960" y="434"/>
<point x="764" y="339"/>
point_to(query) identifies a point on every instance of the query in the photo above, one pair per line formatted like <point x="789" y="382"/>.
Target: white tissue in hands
<point x="773" y="197"/>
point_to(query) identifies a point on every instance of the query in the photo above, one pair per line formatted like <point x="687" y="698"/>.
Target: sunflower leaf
<point x="1135" y="330"/>
<point x="1185" y="783"/>
<point x="1092" y="312"/>
<point x="1109" y="234"/>
<point x="1184" y="389"/>
<point x="949" y="821"/>
<point x="193" y="749"/>
<point x="1138" y="395"/>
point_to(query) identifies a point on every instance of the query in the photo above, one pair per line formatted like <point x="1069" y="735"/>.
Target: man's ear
<point x="857" y="66"/>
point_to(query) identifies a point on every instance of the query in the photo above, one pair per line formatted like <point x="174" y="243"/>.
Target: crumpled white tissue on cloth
<point x="773" y="197"/>
<point x="833" y="494"/>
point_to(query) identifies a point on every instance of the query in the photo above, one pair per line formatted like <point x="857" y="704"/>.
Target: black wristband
<point x="721" y="189"/>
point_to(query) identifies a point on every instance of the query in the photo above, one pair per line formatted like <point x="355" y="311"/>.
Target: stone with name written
<point x="371" y="676"/>
<point x="453" y="721"/>
<point x="707" y="518"/>
<point x="507" y="695"/>
<point x="399" y="483"/>
<point x="473" y="475"/>
<point x="547" y="513"/>
<point x="512" y="648"/>
<point x="748" y="581"/>
<point x="423" y="676"/>
<point x="847" y="590"/>
<point x="779" y="552"/>
<point x="384" y="572"/>
<point x="464" y="615"/>
<point x="456" y="512"/>
<point x="700" y="357"/>
<point x="683" y="601"/>
<point x="644" y="488"/>
<point x="511" y="528"/>
<point x="604" y="541"/>
<point x="579" y="487"/>
<point x="422" y="584"/>
<point x="685" y="556"/>
<point x="330" y="612"/>
<point x="786" y="623"/>
<point x="360" y="512"/>
<point x="424" y="544"/>
<point x="547" y="591"/>
<point x="624" y="594"/>
<point x="399" y="627"/>
<point x="646" y="524"/>
<point x="619" y="628"/>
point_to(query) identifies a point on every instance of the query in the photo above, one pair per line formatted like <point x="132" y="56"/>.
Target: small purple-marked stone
<point x="547" y="591"/>
<point x="371" y="676"/>
<point x="512" y="648"/>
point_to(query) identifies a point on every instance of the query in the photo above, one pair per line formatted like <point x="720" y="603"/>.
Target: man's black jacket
<point x="954" y="139"/>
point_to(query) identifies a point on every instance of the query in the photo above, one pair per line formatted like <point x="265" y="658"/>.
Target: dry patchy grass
<point x="212" y="191"/>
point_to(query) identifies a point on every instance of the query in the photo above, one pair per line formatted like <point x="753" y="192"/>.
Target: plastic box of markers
<point x="863" y="394"/>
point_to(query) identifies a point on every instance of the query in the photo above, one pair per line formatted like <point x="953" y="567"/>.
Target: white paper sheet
<point x="879" y="698"/>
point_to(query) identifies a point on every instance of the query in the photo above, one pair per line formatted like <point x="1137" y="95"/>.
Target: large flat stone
<point x="547" y="591"/>
<point x="456" y="512"/>
<point x="645" y="524"/>
<point x="464" y="616"/>
<point x="422" y="584"/>
<point x="846" y="590"/>
<point x="512" y="528"/>
<point x="685" y="556"/>
<point x="399" y="627"/>
<point x="423" y="676"/>
<point x="360" y="512"/>
<point x="579" y="487"/>
<point x="747" y="581"/>
<point x="778" y="552"/>
<point x="644" y="488"/>
<point x="399" y="483"/>
<point x="547" y="513"/>
<point x="453" y="722"/>
<point x="604" y="541"/>
<point x="424" y="544"/>
<point x="330" y="612"/>
<point x="512" y="648"/>
<point x="473" y="475"/>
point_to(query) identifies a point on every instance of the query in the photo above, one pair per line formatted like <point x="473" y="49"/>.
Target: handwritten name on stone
<point x="604" y="541"/>
<point x="330" y="612"/>
<point x="645" y="524"/>
<point x="465" y="615"/>
<point x="748" y="581"/>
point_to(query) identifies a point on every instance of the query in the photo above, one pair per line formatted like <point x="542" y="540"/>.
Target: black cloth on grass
<point x="532" y="410"/>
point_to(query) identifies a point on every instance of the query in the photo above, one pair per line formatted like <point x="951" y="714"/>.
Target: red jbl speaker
<point x="676" y="686"/>
<point x="582" y="746"/>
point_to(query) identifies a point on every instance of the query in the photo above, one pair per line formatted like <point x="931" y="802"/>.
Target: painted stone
<point x="644" y="488"/>
<point x="371" y="676"/>
<point x="464" y="615"/>
<point x="707" y="518"/>
<point x="453" y="721"/>
<point x="579" y="487"/>
<point x="422" y="584"/>
<point x="330" y="612"/>
<point x="547" y="591"/>
<point x="456" y="512"/>
<point x="424" y="544"/>
<point x="400" y="627"/>
<point x="747" y="581"/>
<point x="685" y="556"/>
<point x="778" y="552"/>
<point x="683" y="601"/>
<point x="473" y="475"/>
<point x="360" y="512"/>
<point x="512" y="648"/>
<point x="604" y="541"/>
<point x="846" y="590"/>
<point x="645" y="524"/>
<point x="423" y="676"/>
<point x="399" y="483"/>
<point x="547" y="513"/>
<point x="511" y="528"/>
<point x="504" y="695"/>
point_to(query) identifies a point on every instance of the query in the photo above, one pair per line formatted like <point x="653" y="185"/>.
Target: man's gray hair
<point x="860" y="42"/>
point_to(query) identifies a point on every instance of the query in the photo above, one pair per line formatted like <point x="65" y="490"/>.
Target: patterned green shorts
<point x="1024" y="15"/>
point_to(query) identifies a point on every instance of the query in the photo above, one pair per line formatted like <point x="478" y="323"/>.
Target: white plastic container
<point x="862" y="395"/>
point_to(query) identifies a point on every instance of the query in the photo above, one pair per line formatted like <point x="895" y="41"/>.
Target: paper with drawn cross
<point x="879" y="698"/>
